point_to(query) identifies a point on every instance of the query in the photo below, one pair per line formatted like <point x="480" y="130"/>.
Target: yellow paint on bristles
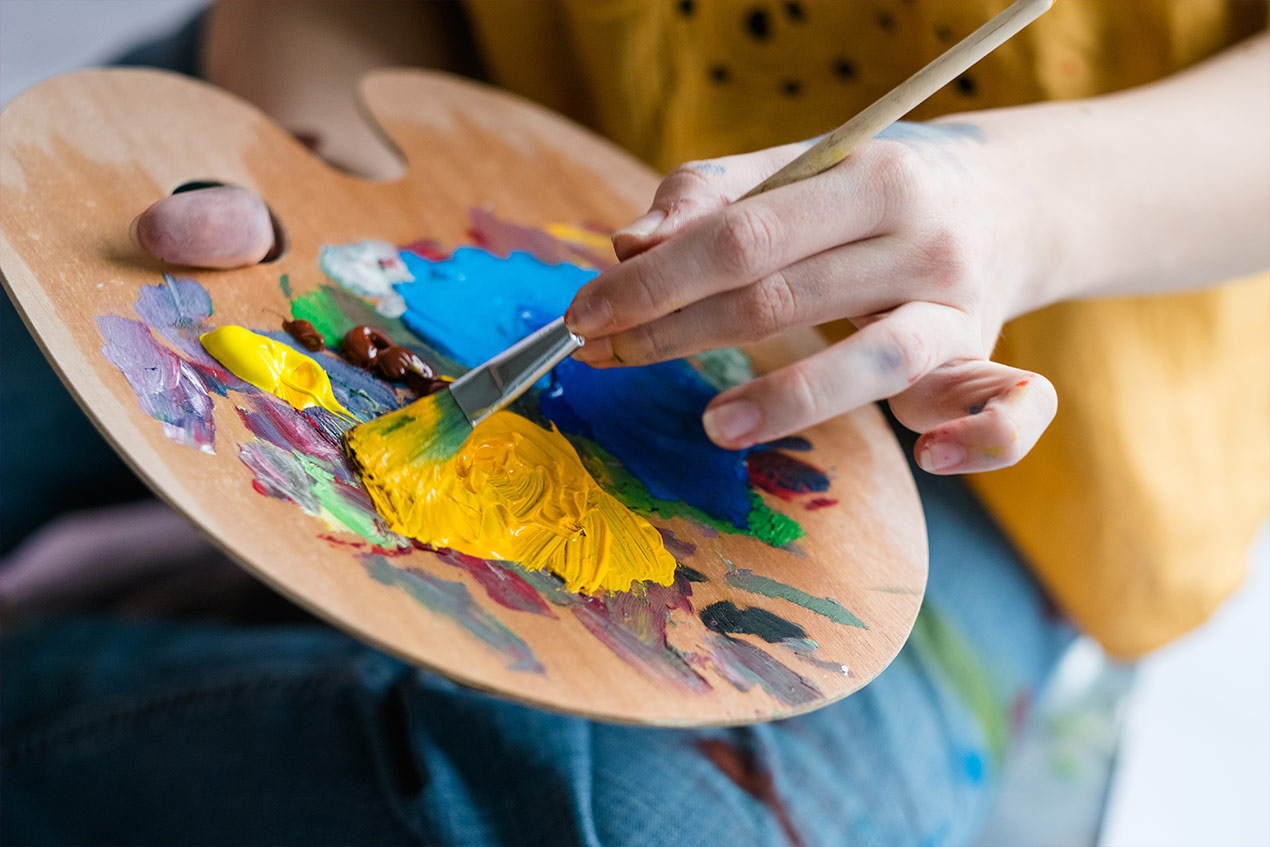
<point x="274" y="367"/>
<point x="512" y="491"/>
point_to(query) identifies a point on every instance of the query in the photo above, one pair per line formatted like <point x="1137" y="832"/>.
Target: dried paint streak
<point x="676" y="546"/>
<point x="168" y="388"/>
<point x="453" y="600"/>
<point x="659" y="662"/>
<point x="783" y="475"/>
<point x="297" y="478"/>
<point x="747" y="580"/>
<point x="745" y="665"/>
<point x="370" y="269"/>
<point x="819" y="503"/>
<point x="805" y="651"/>
<point x="178" y="310"/>
<point x="743" y="767"/>
<point x="725" y="617"/>
<point x="723" y="368"/>
<point x="283" y="426"/>
<point x="501" y="584"/>
<point x="567" y="244"/>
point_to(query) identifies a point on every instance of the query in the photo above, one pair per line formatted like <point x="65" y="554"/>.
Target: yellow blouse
<point x="1137" y="506"/>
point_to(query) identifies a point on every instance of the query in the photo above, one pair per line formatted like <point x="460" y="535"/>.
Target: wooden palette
<point x="80" y="155"/>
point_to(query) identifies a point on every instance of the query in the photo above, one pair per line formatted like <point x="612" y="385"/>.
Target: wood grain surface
<point x="80" y="155"/>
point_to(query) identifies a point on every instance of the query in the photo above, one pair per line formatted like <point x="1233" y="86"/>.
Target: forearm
<point x="300" y="63"/>
<point x="1161" y="188"/>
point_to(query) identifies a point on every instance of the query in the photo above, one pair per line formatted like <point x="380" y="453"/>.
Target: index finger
<point x="731" y="248"/>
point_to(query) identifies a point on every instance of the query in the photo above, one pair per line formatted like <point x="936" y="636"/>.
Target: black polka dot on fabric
<point x="687" y="7"/>
<point x="843" y="69"/>
<point x="795" y="12"/>
<point x="758" y="24"/>
<point x="885" y="21"/>
<point x="719" y="74"/>
<point x="966" y="85"/>
<point x="791" y="88"/>
<point x="944" y="33"/>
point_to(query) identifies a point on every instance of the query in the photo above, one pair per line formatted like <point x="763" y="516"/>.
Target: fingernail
<point x="588" y="316"/>
<point x="731" y="421"/>
<point x="941" y="455"/>
<point x="642" y="227"/>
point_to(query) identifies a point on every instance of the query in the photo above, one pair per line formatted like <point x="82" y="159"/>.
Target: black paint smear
<point x="789" y="442"/>
<point x="690" y="574"/>
<point x="725" y="617"/>
<point x="759" y="25"/>
<point x="743" y="767"/>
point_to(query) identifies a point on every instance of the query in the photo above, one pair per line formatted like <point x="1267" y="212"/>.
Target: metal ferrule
<point x="483" y="391"/>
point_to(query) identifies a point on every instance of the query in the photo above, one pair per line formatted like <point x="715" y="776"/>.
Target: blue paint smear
<point x="474" y="304"/>
<point x="649" y="418"/>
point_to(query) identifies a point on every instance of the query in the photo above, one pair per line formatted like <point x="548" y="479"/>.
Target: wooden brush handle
<point x="901" y="100"/>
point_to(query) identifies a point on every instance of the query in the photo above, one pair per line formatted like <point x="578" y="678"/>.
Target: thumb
<point x="696" y="189"/>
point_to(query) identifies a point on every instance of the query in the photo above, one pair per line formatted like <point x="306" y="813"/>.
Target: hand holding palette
<point x="589" y="549"/>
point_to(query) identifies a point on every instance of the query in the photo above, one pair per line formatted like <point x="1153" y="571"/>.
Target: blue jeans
<point x="137" y="731"/>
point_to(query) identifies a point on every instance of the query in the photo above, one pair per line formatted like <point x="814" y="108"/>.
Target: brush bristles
<point x="429" y="430"/>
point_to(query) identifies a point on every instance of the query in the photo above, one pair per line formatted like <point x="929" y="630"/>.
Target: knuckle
<point x="945" y="259"/>
<point x="686" y="182"/>
<point x="902" y="178"/>
<point x="748" y="240"/>
<point x="767" y="307"/>
<point x="802" y="395"/>
<point x="904" y="351"/>
<point x="647" y="293"/>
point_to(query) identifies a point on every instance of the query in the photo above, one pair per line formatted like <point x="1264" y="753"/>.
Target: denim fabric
<point x="148" y="731"/>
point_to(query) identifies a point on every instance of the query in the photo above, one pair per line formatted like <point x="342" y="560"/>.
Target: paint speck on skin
<point x="453" y="600"/>
<point x="819" y="503"/>
<point x="708" y="168"/>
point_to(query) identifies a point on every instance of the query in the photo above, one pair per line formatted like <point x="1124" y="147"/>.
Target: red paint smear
<point x="820" y="503"/>
<point x="260" y="489"/>
<point x="505" y="587"/>
<point x="331" y="539"/>
<point x="1021" y="384"/>
<point x="743" y="767"/>
<point x="783" y="475"/>
<point x="426" y="248"/>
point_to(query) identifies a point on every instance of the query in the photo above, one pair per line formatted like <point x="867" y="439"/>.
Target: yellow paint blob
<point x="274" y="367"/>
<point x="513" y="491"/>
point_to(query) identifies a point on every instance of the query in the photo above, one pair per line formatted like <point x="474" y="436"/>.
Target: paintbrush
<point x="433" y="428"/>
<point x="447" y="417"/>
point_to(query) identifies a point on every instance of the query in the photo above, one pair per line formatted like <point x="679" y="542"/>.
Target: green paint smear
<point x="350" y="514"/>
<point x="334" y="311"/>
<point x="723" y="368"/>
<point x="284" y="283"/>
<point x="940" y="646"/>
<point x="747" y="580"/>
<point x="764" y="524"/>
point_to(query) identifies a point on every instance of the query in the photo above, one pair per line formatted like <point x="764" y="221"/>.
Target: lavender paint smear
<point x="453" y="600"/>
<point x="500" y="582"/>
<point x="168" y="388"/>
<point x="745" y="665"/>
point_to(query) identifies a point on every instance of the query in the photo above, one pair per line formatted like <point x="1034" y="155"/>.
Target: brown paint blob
<point x="395" y="362"/>
<point x="305" y="333"/>
<point x="362" y="345"/>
